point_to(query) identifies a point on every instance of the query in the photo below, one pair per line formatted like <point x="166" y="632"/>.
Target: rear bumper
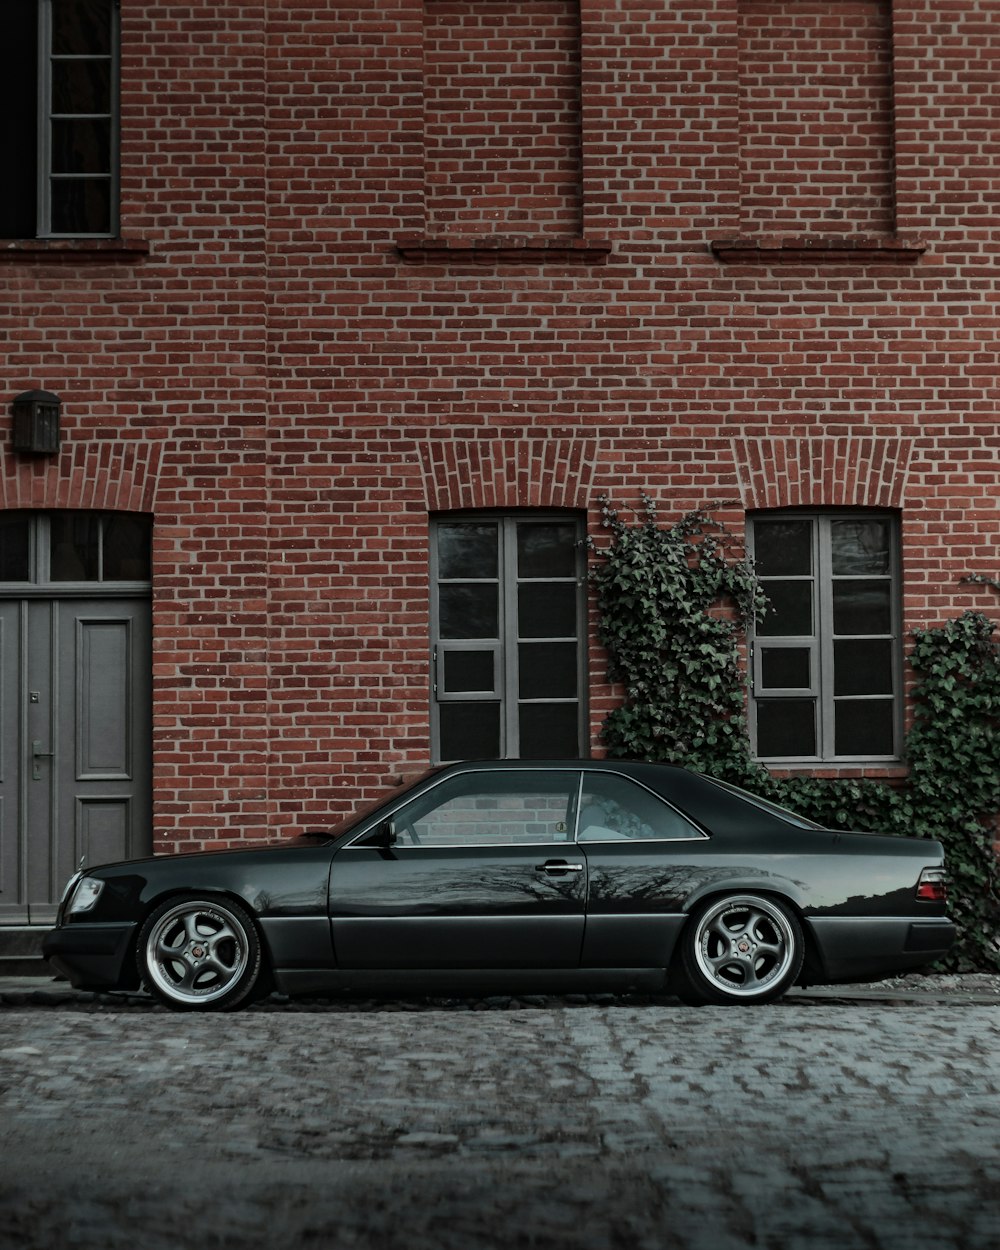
<point x="93" y="956"/>
<point x="867" y="947"/>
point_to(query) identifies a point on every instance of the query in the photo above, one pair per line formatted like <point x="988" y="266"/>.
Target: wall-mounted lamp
<point x="36" y="423"/>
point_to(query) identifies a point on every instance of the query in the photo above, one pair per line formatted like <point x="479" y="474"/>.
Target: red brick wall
<point x="501" y="90"/>
<point x="816" y="115"/>
<point x="291" y="399"/>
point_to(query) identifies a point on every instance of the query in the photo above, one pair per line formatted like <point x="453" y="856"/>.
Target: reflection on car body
<point x="520" y="874"/>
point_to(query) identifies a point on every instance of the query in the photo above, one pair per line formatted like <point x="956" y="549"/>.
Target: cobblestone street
<point x="649" y="1126"/>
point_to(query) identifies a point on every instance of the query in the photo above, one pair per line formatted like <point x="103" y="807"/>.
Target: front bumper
<point x="93" y="956"/>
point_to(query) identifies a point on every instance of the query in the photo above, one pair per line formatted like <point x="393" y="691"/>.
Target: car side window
<point x="482" y="809"/>
<point x="614" y="809"/>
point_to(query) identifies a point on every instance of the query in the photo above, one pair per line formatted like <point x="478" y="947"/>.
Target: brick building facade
<point x="362" y="308"/>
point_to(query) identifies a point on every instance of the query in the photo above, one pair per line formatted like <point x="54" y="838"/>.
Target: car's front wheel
<point x="742" y="948"/>
<point x="199" y="954"/>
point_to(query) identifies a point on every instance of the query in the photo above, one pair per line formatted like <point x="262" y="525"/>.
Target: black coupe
<point x="518" y="875"/>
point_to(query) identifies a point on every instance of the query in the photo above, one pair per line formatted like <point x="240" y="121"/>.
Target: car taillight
<point x="932" y="886"/>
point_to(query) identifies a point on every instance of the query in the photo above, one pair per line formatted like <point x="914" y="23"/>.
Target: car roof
<point x="718" y="808"/>
<point x="612" y="765"/>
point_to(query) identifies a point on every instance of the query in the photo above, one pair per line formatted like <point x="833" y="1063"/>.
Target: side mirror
<point x="385" y="836"/>
<point x="382" y="838"/>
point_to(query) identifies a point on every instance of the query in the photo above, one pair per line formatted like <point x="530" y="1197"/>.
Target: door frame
<point x="40" y="588"/>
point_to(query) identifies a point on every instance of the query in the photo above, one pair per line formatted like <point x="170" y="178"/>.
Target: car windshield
<point x="765" y="805"/>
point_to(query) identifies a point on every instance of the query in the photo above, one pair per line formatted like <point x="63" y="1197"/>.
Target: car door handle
<point x="556" y="867"/>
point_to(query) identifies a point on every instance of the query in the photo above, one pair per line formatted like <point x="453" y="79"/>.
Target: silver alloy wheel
<point x="196" y="952"/>
<point x="745" y="946"/>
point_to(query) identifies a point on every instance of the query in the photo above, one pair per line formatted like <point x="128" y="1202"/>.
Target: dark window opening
<point x="59" y="118"/>
<point x="826" y="657"/>
<point x="508" y="638"/>
<point x="64" y="547"/>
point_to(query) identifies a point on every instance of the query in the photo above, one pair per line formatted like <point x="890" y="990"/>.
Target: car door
<point x="645" y="858"/>
<point x="477" y="870"/>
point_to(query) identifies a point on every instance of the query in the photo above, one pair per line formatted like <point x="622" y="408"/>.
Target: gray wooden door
<point x="75" y="767"/>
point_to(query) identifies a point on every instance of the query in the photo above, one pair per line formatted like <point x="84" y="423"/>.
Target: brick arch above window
<point x="464" y="473"/>
<point x="869" y="471"/>
<point x="111" y="477"/>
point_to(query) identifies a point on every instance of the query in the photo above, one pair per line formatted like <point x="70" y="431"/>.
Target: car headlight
<point x="86" y="894"/>
<point x="69" y="887"/>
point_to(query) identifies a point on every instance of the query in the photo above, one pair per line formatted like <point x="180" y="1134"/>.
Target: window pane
<point x="549" y="731"/>
<point x="864" y="727"/>
<point x="862" y="667"/>
<point x="786" y="728"/>
<point x="546" y="610"/>
<point x="547" y="670"/>
<point x="783" y="548"/>
<point x="19" y="119"/>
<point x="789" y="612"/>
<point x="546" y="550"/>
<point x="81" y="147"/>
<point x="81" y="86"/>
<point x="81" y="206"/>
<point x="14" y="562"/>
<point x="613" y="810"/>
<point x="488" y="811"/>
<point x="470" y="731"/>
<point x="469" y="611"/>
<point x="467" y="550"/>
<point x="862" y="607"/>
<point x="785" y="668"/>
<point x="81" y="26"/>
<point x="507" y="588"/>
<point x="469" y="672"/>
<point x="75" y="541"/>
<point x="126" y="548"/>
<point x="860" y="546"/>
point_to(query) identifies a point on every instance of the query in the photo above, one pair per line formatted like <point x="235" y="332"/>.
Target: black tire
<point x="199" y="954"/>
<point x="740" y="948"/>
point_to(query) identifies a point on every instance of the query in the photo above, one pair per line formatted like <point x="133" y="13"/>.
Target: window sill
<point x="884" y="770"/>
<point x="502" y="249"/>
<point x="762" y="249"/>
<point x="99" y="249"/>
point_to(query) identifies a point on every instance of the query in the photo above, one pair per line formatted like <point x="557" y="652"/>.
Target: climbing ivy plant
<point x="659" y="594"/>
<point x="674" y="606"/>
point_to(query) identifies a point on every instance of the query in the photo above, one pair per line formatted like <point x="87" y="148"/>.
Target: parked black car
<point x="521" y="875"/>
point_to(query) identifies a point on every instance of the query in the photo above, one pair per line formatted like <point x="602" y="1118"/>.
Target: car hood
<point x="304" y="842"/>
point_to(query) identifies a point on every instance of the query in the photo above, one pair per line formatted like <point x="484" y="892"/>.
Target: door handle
<point x="38" y="754"/>
<point x="556" y="867"/>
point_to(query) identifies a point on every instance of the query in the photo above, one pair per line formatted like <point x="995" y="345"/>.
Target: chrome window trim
<point x="499" y="772"/>
<point x="703" y="834"/>
<point x="482" y="918"/>
<point x="466" y="846"/>
<point x="642" y="841"/>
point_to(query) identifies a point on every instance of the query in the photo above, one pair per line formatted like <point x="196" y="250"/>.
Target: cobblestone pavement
<point x="550" y="1123"/>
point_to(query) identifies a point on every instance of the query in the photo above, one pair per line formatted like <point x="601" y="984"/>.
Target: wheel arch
<point x="208" y="892"/>
<point x="812" y="965"/>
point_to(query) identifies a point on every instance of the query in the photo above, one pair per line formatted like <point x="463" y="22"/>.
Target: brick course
<point x="260" y="368"/>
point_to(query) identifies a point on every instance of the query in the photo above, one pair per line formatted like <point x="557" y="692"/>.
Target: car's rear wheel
<point x="199" y="954"/>
<point x="742" y="948"/>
